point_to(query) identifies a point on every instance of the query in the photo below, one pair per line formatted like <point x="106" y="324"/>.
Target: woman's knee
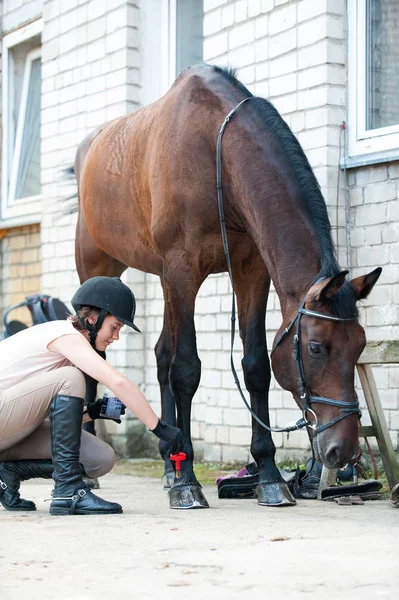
<point x="74" y="383"/>
<point x="97" y="457"/>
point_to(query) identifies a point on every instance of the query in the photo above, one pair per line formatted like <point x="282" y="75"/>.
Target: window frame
<point x="21" y="211"/>
<point x="364" y="146"/>
<point x="168" y="44"/>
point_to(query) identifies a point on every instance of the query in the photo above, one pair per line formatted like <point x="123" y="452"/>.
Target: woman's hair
<point x="79" y="320"/>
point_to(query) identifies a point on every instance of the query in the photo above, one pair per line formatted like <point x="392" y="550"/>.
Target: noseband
<point x="346" y="408"/>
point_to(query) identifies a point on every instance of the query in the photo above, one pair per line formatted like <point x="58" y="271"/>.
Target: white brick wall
<point x="294" y="53"/>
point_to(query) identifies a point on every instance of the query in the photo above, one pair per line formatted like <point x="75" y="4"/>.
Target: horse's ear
<point x="364" y="284"/>
<point x="324" y="290"/>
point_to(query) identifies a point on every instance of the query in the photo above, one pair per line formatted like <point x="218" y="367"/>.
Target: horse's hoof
<point x="274" y="494"/>
<point x="168" y="480"/>
<point x="394" y="500"/>
<point x="187" y="496"/>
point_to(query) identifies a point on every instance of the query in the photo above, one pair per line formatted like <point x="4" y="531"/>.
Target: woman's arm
<point x="78" y="350"/>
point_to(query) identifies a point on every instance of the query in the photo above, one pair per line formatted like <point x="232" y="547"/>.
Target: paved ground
<point x="235" y="550"/>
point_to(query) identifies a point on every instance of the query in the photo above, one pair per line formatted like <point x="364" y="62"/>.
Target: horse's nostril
<point x="333" y="457"/>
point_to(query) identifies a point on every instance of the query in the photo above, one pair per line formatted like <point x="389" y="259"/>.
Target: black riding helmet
<point x="110" y="295"/>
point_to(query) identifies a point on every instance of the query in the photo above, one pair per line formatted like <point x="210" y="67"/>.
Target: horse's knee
<point x="163" y="356"/>
<point x="185" y="373"/>
<point x="257" y="374"/>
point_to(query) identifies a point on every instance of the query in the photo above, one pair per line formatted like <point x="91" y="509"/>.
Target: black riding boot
<point x="70" y="495"/>
<point x="11" y="475"/>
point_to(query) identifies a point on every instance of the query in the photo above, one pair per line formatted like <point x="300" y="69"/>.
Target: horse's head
<point x="317" y="363"/>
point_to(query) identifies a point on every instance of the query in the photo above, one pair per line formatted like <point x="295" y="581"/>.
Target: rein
<point x="346" y="408"/>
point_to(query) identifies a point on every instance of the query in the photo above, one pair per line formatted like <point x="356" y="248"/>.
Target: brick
<point x="369" y="215"/>
<point x="254" y="8"/>
<point x="283" y="65"/>
<point x="372" y="255"/>
<point x="390" y="233"/>
<point x="380" y="192"/>
<point x="393" y="169"/>
<point x="261" y="51"/>
<point x="261" y="26"/>
<point x="116" y="19"/>
<point x="241" y="35"/>
<point x="313" y="55"/>
<point x="227" y="16"/>
<point x="267" y="5"/>
<point x="282" y="19"/>
<point x="243" y="56"/>
<point x="213" y="21"/>
<point x="240" y="11"/>
<point x="282" y="85"/>
<point x="312" y="98"/>
<point x="240" y="436"/>
<point x="310" y="9"/>
<point x="312" y="31"/>
<point x="381" y="315"/>
<point x="215" y="45"/>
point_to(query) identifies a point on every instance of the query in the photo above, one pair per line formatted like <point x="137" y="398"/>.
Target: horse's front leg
<point x="252" y="290"/>
<point x="163" y="353"/>
<point x="180" y="289"/>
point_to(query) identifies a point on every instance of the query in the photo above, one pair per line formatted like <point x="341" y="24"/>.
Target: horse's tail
<point x="73" y="204"/>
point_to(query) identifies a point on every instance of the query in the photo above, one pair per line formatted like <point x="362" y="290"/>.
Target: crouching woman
<point x="42" y="391"/>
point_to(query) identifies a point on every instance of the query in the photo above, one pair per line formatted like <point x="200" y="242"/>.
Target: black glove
<point x="170" y="434"/>
<point x="94" y="410"/>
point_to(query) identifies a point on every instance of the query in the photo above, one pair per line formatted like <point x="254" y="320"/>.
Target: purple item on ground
<point x="241" y="473"/>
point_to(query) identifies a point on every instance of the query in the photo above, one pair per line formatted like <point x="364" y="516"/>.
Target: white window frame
<point x="364" y="146"/>
<point x="21" y="211"/>
<point x="168" y="44"/>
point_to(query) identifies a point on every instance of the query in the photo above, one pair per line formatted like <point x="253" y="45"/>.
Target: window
<point x="21" y="187"/>
<point x="171" y="40"/>
<point x="182" y="38"/>
<point x="373" y="75"/>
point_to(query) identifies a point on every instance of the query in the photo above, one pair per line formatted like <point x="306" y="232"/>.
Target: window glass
<point x="189" y="32"/>
<point x="28" y="179"/>
<point x="382" y="63"/>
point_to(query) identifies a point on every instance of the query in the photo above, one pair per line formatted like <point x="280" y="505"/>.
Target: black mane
<point x="344" y="303"/>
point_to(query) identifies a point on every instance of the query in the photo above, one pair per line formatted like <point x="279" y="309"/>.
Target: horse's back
<point x="150" y="175"/>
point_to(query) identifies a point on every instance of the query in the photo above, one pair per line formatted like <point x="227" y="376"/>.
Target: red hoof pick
<point x="178" y="458"/>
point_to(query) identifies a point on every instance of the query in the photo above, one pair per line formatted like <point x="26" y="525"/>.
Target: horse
<point x="148" y="199"/>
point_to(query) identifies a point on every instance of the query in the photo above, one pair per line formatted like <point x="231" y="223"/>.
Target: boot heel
<point x="59" y="511"/>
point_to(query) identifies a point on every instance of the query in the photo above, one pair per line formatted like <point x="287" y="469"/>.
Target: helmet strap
<point x="94" y="329"/>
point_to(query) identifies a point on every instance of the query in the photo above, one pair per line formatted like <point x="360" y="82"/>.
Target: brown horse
<point x="148" y="200"/>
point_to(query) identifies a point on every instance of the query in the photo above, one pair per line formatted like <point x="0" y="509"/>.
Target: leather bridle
<point x="346" y="408"/>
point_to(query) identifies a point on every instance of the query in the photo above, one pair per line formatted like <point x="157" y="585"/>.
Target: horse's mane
<point x="344" y="303"/>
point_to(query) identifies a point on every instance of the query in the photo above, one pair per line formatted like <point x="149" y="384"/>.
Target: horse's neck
<point x="285" y="238"/>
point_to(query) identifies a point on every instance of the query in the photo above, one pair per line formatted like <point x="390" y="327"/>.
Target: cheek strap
<point x="94" y="329"/>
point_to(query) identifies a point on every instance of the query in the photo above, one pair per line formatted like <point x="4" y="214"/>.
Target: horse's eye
<point x="315" y="349"/>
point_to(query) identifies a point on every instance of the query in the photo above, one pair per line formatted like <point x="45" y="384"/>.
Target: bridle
<point x="346" y="408"/>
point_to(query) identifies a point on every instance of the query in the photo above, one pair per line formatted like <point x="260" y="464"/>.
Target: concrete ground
<point x="234" y="550"/>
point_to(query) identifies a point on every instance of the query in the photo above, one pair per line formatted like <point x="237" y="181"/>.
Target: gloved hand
<point x="94" y="410"/>
<point x="170" y="434"/>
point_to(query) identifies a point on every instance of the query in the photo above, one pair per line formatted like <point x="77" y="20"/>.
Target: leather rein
<point x="346" y="408"/>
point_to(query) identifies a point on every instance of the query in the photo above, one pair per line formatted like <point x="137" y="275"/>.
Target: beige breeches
<point x="25" y="428"/>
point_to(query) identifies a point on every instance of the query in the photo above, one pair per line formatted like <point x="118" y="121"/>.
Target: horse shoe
<point x="274" y="494"/>
<point x="187" y="496"/>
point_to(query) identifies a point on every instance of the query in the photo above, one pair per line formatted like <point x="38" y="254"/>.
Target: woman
<point x="42" y="375"/>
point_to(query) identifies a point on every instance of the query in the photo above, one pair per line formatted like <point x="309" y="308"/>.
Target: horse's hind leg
<point x="163" y="353"/>
<point x="252" y="289"/>
<point x="90" y="262"/>
<point x="90" y="259"/>
<point x="181" y="282"/>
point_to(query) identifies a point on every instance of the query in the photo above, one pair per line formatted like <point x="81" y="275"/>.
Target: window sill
<point x="350" y="162"/>
<point x="12" y="222"/>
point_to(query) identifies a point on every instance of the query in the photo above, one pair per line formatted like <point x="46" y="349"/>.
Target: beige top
<point x="25" y="354"/>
